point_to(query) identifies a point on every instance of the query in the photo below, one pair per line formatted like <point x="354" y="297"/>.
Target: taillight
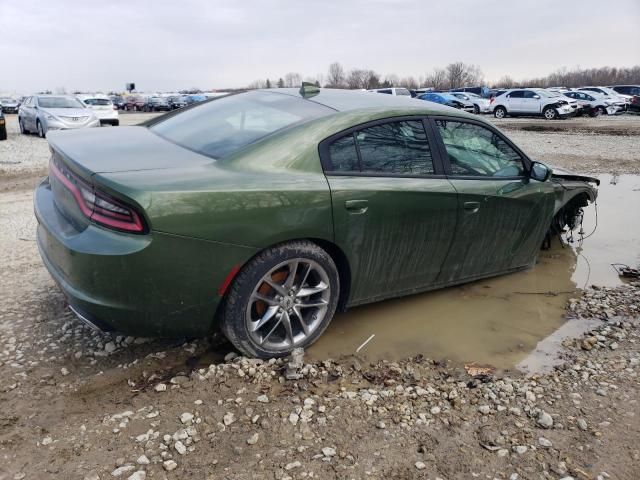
<point x="98" y="206"/>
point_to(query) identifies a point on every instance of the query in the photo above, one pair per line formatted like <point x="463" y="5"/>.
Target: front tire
<point x="500" y="112"/>
<point x="282" y="299"/>
<point x="550" y="113"/>
<point x="476" y="109"/>
<point x="21" y="125"/>
<point x="41" y="132"/>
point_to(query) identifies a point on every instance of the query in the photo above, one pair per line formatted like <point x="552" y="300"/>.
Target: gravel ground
<point x="78" y="404"/>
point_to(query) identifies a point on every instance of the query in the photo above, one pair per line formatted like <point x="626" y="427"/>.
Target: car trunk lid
<point x="78" y="157"/>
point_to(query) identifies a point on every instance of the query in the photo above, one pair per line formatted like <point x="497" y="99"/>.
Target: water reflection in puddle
<point x="500" y="320"/>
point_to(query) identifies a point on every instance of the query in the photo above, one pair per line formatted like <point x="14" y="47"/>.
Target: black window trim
<point x="445" y="158"/>
<point x="325" y="158"/>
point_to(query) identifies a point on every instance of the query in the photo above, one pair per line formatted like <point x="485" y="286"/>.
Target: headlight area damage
<point x="572" y="193"/>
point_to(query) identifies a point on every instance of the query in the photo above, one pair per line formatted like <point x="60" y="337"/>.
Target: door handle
<point x="356" y="206"/>
<point x="471" y="207"/>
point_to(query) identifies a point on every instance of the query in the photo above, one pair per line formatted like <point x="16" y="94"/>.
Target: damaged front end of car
<point x="573" y="193"/>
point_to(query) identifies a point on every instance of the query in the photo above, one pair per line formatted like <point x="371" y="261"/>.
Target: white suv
<point x="103" y="107"/>
<point x="392" y="91"/>
<point x="532" y="102"/>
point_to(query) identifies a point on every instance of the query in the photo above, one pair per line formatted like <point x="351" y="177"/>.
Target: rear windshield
<point x="59" y="102"/>
<point x="223" y="126"/>
<point x="97" y="101"/>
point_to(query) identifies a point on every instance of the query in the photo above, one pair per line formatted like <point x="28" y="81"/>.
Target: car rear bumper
<point x="149" y="285"/>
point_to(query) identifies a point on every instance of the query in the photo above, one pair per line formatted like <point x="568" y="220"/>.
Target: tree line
<point x="453" y="75"/>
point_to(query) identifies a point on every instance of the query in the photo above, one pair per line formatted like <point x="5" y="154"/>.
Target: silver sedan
<point x="41" y="113"/>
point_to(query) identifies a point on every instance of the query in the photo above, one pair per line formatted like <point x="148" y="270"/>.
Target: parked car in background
<point x="480" y="104"/>
<point x="496" y="92"/>
<point x="43" y="113"/>
<point x="3" y="126"/>
<point x="449" y="100"/>
<point x="194" y="98"/>
<point x="118" y="101"/>
<point x="134" y="103"/>
<point x="532" y="102"/>
<point x="392" y="91"/>
<point x="632" y="92"/>
<point x="620" y="100"/>
<point x="484" y="92"/>
<point x="592" y="103"/>
<point x="156" y="104"/>
<point x="103" y="107"/>
<point x="9" y="105"/>
<point x="176" y="101"/>
<point x="264" y="228"/>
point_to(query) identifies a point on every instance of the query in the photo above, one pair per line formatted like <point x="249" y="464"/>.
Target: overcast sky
<point x="169" y="45"/>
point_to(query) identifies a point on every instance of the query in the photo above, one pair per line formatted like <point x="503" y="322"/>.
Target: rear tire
<point x="550" y="113"/>
<point x="3" y="133"/>
<point x="284" y="298"/>
<point x="500" y="112"/>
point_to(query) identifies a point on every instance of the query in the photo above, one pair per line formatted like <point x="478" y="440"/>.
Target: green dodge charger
<point x="264" y="212"/>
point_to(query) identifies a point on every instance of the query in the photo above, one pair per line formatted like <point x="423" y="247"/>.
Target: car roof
<point x="348" y="100"/>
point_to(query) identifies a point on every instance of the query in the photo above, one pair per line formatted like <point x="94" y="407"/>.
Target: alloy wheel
<point x="288" y="304"/>
<point x="550" y="114"/>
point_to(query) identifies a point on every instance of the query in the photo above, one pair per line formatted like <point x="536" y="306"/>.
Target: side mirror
<point x="540" y="172"/>
<point x="537" y="97"/>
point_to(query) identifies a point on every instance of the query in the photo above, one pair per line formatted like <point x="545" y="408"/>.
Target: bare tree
<point x="460" y="74"/>
<point x="437" y="79"/>
<point x="336" y="77"/>
<point x="293" y="79"/>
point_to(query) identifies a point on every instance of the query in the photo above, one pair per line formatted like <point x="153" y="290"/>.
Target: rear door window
<point x="477" y="151"/>
<point x="395" y="148"/>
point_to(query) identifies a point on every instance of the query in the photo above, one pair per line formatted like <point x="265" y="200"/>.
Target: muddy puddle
<point x="500" y="321"/>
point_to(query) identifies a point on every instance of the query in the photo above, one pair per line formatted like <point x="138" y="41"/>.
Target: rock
<point x="169" y="465"/>
<point x="118" y="472"/>
<point x="47" y="441"/>
<point x="329" y="451"/>
<point x="180" y="448"/>
<point x="503" y="452"/>
<point x="263" y="399"/>
<point x="161" y="387"/>
<point x="253" y="439"/>
<point x="229" y="418"/>
<point x="582" y="424"/>
<point x="143" y="460"/>
<point x="520" y="449"/>
<point x="543" y="442"/>
<point x="435" y="410"/>
<point x="139" y="475"/>
<point x="292" y="465"/>
<point x="64" y="371"/>
<point x="186" y="418"/>
<point x="420" y="465"/>
<point x="484" y="409"/>
<point x="293" y="418"/>
<point x="381" y="425"/>
<point x="110" y="347"/>
<point x="545" y="420"/>
<point x="92" y="476"/>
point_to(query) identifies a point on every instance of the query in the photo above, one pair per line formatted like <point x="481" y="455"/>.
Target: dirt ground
<point x="78" y="404"/>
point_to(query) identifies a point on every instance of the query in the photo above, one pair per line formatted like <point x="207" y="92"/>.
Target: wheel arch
<point x="333" y="250"/>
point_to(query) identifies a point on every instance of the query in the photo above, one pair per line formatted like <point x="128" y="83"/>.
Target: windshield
<point x="97" y="101"/>
<point x="223" y="126"/>
<point x="547" y="93"/>
<point x="59" y="102"/>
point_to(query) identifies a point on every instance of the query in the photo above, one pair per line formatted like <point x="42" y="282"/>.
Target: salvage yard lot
<point x="77" y="404"/>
